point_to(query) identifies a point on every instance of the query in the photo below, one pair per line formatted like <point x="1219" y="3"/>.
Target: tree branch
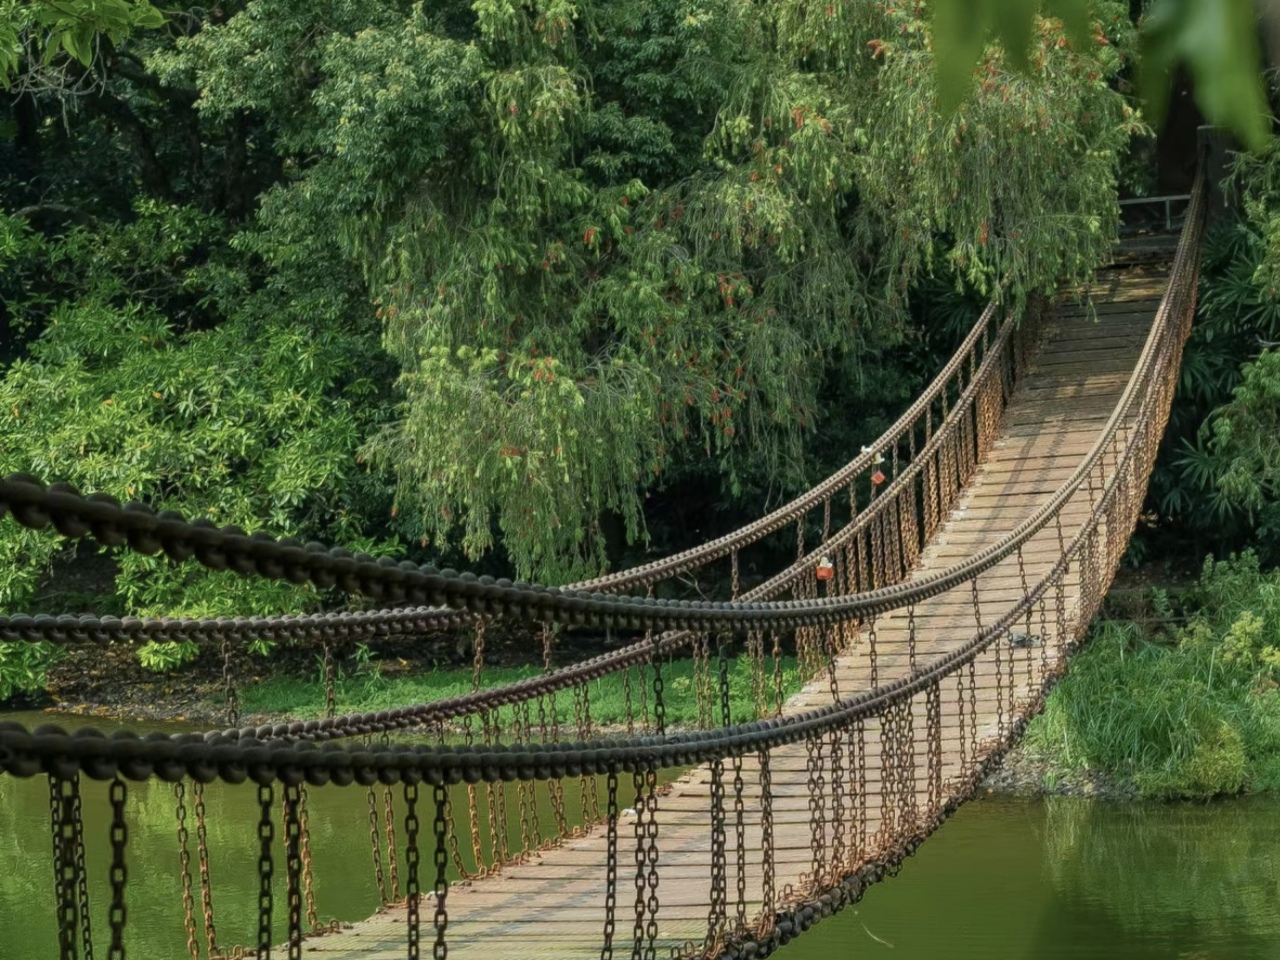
<point x="136" y="134"/>
<point x="60" y="210"/>
<point x="131" y="68"/>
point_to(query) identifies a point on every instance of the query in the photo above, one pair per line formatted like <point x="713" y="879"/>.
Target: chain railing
<point x="877" y="766"/>
<point x="898" y="442"/>
<point x="875" y="547"/>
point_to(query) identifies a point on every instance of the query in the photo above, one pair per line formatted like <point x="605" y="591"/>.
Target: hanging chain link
<point x="934" y="714"/>
<point x="184" y="860"/>
<point x="82" y="875"/>
<point x="860" y="778"/>
<point x="61" y="790"/>
<point x="375" y="845"/>
<point x="645" y="932"/>
<point x="118" y="914"/>
<point x="393" y="861"/>
<point x="740" y="845"/>
<point x="308" y="871"/>
<point x="838" y="852"/>
<point x="202" y="851"/>
<point x="292" y="800"/>
<point x="719" y="864"/>
<point x="266" y="870"/>
<point x="778" y="690"/>
<point x="611" y="866"/>
<point x="872" y="653"/>
<point x="659" y="706"/>
<point x="228" y="683"/>
<point x="627" y="710"/>
<point x="330" y="684"/>
<point x="814" y="785"/>
<point x="412" y="890"/>
<point x="769" y="907"/>
<point x="440" y="921"/>
<point x="911" y="638"/>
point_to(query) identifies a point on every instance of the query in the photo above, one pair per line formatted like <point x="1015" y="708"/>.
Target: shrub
<point x="1187" y="708"/>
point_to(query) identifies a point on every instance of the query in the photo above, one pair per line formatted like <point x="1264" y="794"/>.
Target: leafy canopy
<point x="603" y="236"/>
<point x="594" y="249"/>
<point x="71" y="27"/>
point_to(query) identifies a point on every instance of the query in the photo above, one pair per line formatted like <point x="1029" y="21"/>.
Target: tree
<point x="604" y="236"/>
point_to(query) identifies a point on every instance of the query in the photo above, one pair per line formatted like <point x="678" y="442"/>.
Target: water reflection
<point x="1065" y="878"/>
<point x="340" y="840"/>
<point x="1184" y="880"/>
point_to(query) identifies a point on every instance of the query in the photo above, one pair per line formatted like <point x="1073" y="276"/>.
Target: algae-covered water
<point x="1003" y="880"/>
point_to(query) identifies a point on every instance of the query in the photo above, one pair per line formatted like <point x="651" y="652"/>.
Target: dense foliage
<point x="1185" y="704"/>
<point x="1215" y="487"/>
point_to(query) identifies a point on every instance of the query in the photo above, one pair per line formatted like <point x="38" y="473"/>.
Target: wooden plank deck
<point x="553" y="905"/>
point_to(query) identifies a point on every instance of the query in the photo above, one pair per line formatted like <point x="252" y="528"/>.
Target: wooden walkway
<point x="553" y="906"/>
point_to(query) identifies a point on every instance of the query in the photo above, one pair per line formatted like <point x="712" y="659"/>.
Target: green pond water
<point x="1003" y="880"/>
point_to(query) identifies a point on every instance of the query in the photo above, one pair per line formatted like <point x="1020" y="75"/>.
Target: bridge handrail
<point x="348" y="624"/>
<point x="75" y="516"/>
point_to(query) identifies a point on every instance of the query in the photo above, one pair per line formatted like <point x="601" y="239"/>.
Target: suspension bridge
<point x="941" y="582"/>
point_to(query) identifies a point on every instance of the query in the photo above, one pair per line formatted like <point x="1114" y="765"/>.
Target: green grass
<point x="1187" y="708"/>
<point x="370" y="688"/>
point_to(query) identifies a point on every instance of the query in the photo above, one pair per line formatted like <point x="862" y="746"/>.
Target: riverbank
<point x="1026" y="772"/>
<point x="110" y="683"/>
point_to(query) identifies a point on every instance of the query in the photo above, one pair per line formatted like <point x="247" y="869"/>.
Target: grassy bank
<point x="1183" y="703"/>
<point x="368" y="686"/>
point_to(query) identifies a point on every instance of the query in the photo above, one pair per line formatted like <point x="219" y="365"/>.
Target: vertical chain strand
<point x="118" y="914"/>
<point x="266" y="869"/>
<point x="413" y="929"/>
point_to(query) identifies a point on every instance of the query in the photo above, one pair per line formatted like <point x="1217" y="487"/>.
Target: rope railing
<point x="356" y="624"/>
<point x="875" y="767"/>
